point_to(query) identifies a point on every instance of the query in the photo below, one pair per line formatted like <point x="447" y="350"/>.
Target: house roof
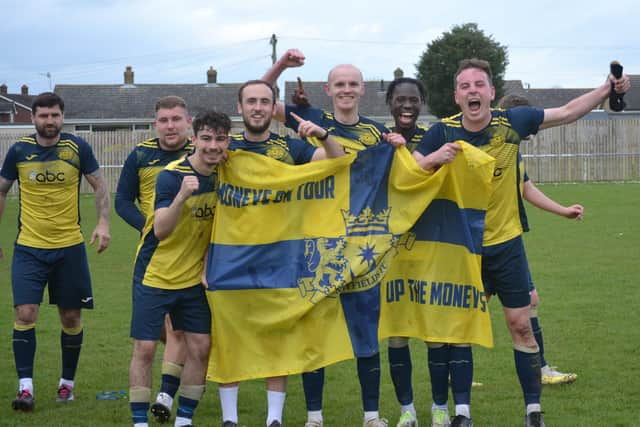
<point x="129" y="102"/>
<point x="23" y="101"/>
<point x="372" y="104"/>
<point x="7" y="107"/>
<point x="136" y="102"/>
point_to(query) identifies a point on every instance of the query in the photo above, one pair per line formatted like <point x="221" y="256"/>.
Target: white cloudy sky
<point x="550" y="43"/>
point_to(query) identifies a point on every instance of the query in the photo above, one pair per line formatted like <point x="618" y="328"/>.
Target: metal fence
<point x="605" y="149"/>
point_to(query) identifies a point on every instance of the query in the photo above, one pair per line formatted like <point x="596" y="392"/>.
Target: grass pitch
<point x="586" y="274"/>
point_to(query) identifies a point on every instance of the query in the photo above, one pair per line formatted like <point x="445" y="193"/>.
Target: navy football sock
<point x="369" y="376"/>
<point x="313" y="384"/>
<point x="24" y="350"/>
<point x="461" y="369"/>
<point x="71" y="346"/>
<point x="528" y="369"/>
<point x="439" y="371"/>
<point x="401" y="368"/>
<point x="537" y="333"/>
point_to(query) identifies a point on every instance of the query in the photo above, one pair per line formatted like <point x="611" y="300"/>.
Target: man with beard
<point x="256" y="104"/>
<point x="137" y="183"/>
<point x="168" y="268"/>
<point x="504" y="264"/>
<point x="49" y="249"/>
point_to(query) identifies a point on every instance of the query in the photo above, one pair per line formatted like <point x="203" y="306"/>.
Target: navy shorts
<point x="188" y="309"/>
<point x="531" y="285"/>
<point x="505" y="272"/>
<point x="65" y="271"/>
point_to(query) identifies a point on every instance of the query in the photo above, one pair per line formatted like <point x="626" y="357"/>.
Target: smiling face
<point x="405" y="105"/>
<point x="173" y="127"/>
<point x="345" y="87"/>
<point x="211" y="145"/>
<point x="473" y="94"/>
<point x="256" y="107"/>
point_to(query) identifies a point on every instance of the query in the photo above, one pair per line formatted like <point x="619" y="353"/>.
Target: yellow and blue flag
<point x="302" y="257"/>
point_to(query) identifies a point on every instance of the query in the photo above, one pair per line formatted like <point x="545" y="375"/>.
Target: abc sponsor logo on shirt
<point x="203" y="212"/>
<point x="47" y="177"/>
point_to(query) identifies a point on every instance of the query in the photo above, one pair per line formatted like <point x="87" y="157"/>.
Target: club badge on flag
<point x="303" y="269"/>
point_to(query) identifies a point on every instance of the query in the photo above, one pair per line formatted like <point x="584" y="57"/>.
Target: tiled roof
<point x="6" y="107"/>
<point x="127" y="102"/>
<point x="23" y="100"/>
<point x="138" y="101"/>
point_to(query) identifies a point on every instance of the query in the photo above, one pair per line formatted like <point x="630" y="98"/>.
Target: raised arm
<point x="578" y="107"/>
<point x="5" y="186"/>
<point x="330" y="147"/>
<point x="103" y="208"/>
<point x="290" y="59"/>
<point x="166" y="219"/>
<point x="537" y="198"/>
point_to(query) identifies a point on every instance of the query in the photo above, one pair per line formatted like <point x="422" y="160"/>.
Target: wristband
<point x="325" y="136"/>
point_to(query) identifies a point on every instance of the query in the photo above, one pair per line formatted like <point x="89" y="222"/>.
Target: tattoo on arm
<point x="103" y="202"/>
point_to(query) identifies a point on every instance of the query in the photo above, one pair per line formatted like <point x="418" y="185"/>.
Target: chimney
<point x="24" y="90"/>
<point x="128" y="75"/>
<point x="398" y="73"/>
<point x="3" y="89"/>
<point x="212" y="76"/>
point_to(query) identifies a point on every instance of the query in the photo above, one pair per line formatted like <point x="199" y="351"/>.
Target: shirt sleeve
<point x="9" y="168"/>
<point x="307" y="113"/>
<point x="525" y="120"/>
<point x="167" y="187"/>
<point x="127" y="193"/>
<point x="88" y="162"/>
<point x="433" y="139"/>
<point x="300" y="150"/>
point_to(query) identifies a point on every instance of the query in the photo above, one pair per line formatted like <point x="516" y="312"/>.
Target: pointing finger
<point x="297" y="117"/>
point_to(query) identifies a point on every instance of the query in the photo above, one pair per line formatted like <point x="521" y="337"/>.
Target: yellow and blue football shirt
<point x="416" y="138"/>
<point x="49" y="181"/>
<point x="353" y="138"/>
<point x="177" y="261"/>
<point x="279" y="147"/>
<point x="138" y="178"/>
<point x="501" y="140"/>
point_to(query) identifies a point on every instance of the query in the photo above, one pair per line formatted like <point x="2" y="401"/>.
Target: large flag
<point x="302" y="268"/>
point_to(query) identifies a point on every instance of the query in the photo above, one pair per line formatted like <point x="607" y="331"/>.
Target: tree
<point x="439" y="63"/>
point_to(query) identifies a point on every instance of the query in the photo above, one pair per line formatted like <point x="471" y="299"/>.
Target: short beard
<point x="256" y="129"/>
<point x="49" y="134"/>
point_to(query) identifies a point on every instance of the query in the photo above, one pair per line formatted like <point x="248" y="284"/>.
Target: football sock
<point x="275" y="405"/>
<point x="438" y="356"/>
<point x="229" y="403"/>
<point x="313" y="383"/>
<point x="24" y="349"/>
<point x="71" y="344"/>
<point x="369" y="376"/>
<point x="139" y="404"/>
<point x="171" y="373"/>
<point x="400" y="366"/>
<point x="461" y="369"/>
<point x="537" y="333"/>
<point x="528" y="369"/>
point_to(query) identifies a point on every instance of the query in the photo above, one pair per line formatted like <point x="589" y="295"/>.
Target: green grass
<point x="586" y="273"/>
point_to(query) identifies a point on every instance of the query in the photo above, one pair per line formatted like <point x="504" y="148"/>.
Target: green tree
<point x="439" y="63"/>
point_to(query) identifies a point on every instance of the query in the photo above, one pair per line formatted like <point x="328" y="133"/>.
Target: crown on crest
<point x="366" y="222"/>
